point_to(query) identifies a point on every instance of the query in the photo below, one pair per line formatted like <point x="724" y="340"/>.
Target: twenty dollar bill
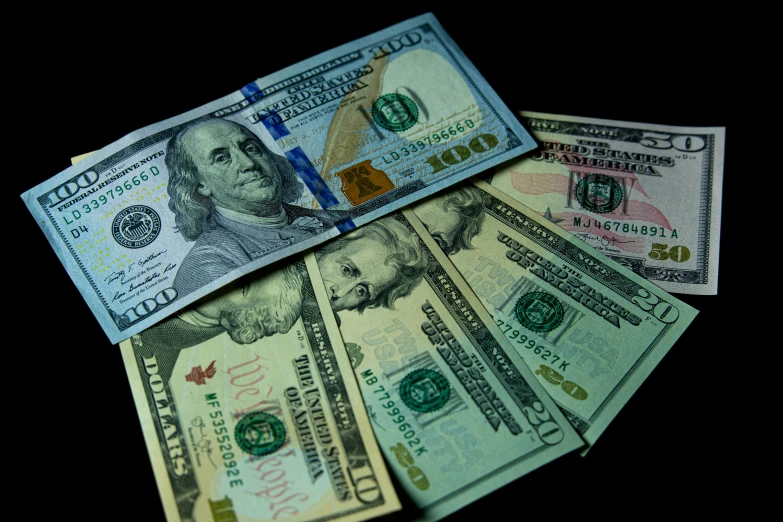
<point x="454" y="408"/>
<point x="589" y="328"/>
<point x="251" y="411"/>
<point x="648" y="196"/>
<point x="173" y="211"/>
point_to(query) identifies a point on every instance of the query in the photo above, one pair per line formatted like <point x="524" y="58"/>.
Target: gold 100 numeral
<point x="459" y="153"/>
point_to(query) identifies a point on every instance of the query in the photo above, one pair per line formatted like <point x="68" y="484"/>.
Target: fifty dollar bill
<point x="173" y="211"/>
<point x="648" y="196"/>
<point x="455" y="410"/>
<point x="591" y="329"/>
<point x="250" y="408"/>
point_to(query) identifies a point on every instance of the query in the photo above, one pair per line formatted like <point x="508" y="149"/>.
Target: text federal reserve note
<point x="250" y="409"/>
<point x="454" y="408"/>
<point x="171" y="212"/>
<point x="589" y="328"/>
<point x="648" y="196"/>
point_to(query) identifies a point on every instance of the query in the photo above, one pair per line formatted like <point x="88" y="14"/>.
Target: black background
<point x="97" y="77"/>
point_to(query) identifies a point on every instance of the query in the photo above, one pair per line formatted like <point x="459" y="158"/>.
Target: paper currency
<point x="648" y="196"/>
<point x="250" y="409"/>
<point x="589" y="328"/>
<point x="173" y="211"/>
<point x="455" y="410"/>
<point x="77" y="159"/>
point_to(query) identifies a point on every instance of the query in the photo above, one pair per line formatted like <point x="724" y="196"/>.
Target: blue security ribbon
<point x="277" y="129"/>
<point x="311" y="178"/>
<point x="274" y="124"/>
<point x="345" y="225"/>
<point x="251" y="89"/>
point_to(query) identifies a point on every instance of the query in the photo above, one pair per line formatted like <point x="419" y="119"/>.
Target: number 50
<point x="678" y="254"/>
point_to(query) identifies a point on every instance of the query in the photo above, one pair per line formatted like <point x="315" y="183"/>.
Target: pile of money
<point x="363" y="283"/>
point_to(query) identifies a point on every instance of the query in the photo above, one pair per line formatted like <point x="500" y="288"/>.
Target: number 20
<point x="651" y="303"/>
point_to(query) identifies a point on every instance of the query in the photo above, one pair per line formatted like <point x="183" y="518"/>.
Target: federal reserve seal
<point x="599" y="193"/>
<point x="539" y="311"/>
<point x="259" y="434"/>
<point x="424" y="390"/>
<point x="136" y="226"/>
<point x="395" y="112"/>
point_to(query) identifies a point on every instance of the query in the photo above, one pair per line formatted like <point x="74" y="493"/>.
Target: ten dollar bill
<point x="250" y="409"/>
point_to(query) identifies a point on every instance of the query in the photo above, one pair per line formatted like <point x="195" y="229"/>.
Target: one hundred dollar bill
<point x="591" y="329"/>
<point x="251" y="411"/>
<point x="455" y="410"/>
<point x="648" y="196"/>
<point x="173" y="211"/>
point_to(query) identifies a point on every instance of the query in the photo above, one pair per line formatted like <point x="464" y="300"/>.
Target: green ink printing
<point x="260" y="434"/>
<point x="395" y="112"/>
<point x="539" y="311"/>
<point x="424" y="390"/>
<point x="599" y="193"/>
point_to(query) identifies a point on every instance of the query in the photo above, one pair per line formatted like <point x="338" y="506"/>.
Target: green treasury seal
<point x="395" y="112"/>
<point x="424" y="390"/>
<point x="599" y="193"/>
<point x="539" y="311"/>
<point x="260" y="433"/>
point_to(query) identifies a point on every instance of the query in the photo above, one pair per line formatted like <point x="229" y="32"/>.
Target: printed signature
<point x="204" y="445"/>
<point x="603" y="240"/>
<point x="122" y="276"/>
<point x="374" y="416"/>
<point x="606" y="241"/>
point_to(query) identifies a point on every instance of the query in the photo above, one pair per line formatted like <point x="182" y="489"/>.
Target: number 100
<point x="459" y="153"/>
